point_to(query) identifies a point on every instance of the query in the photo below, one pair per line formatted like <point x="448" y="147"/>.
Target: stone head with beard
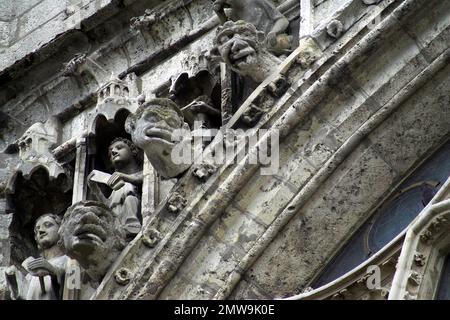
<point x="158" y="127"/>
<point x="92" y="235"/>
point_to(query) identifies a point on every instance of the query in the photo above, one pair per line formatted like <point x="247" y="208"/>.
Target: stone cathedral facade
<point x="227" y="149"/>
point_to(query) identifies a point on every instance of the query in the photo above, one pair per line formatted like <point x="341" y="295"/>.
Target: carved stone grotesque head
<point x="155" y="128"/>
<point x="46" y="230"/>
<point x="91" y="234"/>
<point x="241" y="46"/>
<point x="237" y="43"/>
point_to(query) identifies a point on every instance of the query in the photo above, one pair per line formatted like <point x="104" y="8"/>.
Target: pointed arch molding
<point x="156" y="271"/>
<point x="426" y="246"/>
<point x="108" y="114"/>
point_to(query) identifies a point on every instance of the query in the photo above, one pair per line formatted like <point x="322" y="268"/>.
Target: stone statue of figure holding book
<point x="126" y="183"/>
<point x="40" y="278"/>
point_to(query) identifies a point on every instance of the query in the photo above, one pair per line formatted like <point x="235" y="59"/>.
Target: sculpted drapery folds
<point x="152" y="128"/>
<point x="44" y="280"/>
<point x="126" y="183"/>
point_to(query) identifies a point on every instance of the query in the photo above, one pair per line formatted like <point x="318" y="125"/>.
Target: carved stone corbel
<point x="123" y="276"/>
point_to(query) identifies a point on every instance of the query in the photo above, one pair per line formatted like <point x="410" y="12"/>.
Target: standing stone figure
<point x="126" y="183"/>
<point x="45" y="277"/>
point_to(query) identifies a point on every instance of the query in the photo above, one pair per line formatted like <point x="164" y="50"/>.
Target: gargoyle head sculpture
<point x="155" y="127"/>
<point x="91" y="234"/>
<point x="241" y="46"/>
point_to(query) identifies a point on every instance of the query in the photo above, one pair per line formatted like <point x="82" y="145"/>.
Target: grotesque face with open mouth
<point x="91" y="234"/>
<point x="156" y="127"/>
<point x="237" y="43"/>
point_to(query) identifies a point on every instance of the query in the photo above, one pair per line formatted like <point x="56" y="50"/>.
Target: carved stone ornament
<point x="241" y="46"/>
<point x="151" y="237"/>
<point x="35" y="150"/>
<point x="415" y="278"/>
<point x="422" y="256"/>
<point x="123" y="276"/>
<point x="252" y="114"/>
<point x="151" y="16"/>
<point x="335" y="28"/>
<point x="92" y="235"/>
<point x="263" y="15"/>
<point x="307" y="289"/>
<point x="279" y="86"/>
<point x="176" y="203"/>
<point x="426" y="236"/>
<point x="204" y="171"/>
<point x="409" y="296"/>
<point x="419" y="259"/>
<point x="438" y="223"/>
<point x="159" y="129"/>
<point x="144" y="21"/>
<point x="309" y="52"/>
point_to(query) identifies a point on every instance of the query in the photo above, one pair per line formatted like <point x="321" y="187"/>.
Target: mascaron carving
<point x="241" y="46"/>
<point x="92" y="235"/>
<point x="155" y="127"/>
<point x="263" y="15"/>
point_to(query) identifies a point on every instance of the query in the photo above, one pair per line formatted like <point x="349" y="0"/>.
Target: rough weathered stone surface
<point x="359" y="103"/>
<point x="320" y="226"/>
<point x="324" y="9"/>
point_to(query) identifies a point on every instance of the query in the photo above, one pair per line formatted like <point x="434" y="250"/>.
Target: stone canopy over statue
<point x="105" y="214"/>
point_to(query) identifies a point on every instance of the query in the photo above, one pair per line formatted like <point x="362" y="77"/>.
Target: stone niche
<point x="28" y="197"/>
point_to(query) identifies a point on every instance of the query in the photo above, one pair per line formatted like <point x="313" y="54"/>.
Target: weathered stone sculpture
<point x="35" y="146"/>
<point x="157" y="128"/>
<point x="263" y="15"/>
<point x="193" y="96"/>
<point x="126" y="183"/>
<point x="241" y="46"/>
<point x="44" y="280"/>
<point x="92" y="235"/>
